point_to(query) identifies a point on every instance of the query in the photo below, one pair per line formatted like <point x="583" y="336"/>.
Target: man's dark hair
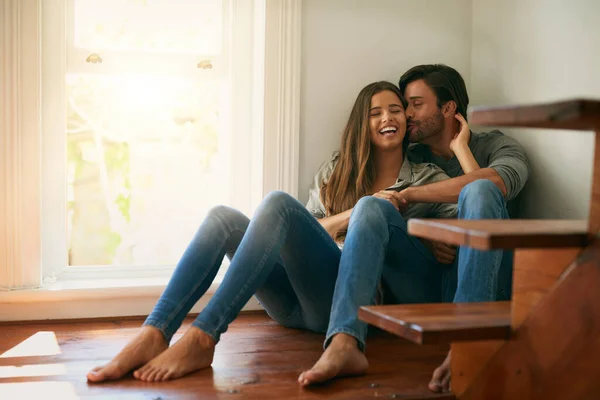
<point x="445" y="81"/>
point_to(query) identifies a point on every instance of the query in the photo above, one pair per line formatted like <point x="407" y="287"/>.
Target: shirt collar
<point x="406" y="173"/>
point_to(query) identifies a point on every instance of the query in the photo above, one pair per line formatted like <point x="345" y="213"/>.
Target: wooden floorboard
<point x="256" y="359"/>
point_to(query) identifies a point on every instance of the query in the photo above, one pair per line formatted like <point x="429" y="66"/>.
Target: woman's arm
<point x="460" y="147"/>
<point x="336" y="223"/>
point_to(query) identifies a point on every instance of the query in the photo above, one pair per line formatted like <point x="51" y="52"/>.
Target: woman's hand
<point x="460" y="147"/>
<point x="462" y="137"/>
<point x="396" y="198"/>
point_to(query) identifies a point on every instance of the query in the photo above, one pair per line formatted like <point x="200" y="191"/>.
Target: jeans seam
<point x="405" y="233"/>
<point x="290" y="210"/>
<point x="172" y="315"/>
<point x="252" y="277"/>
<point x="491" y="290"/>
<point x="328" y="239"/>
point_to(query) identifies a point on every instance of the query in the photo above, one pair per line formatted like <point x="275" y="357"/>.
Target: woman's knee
<point x="278" y="200"/>
<point x="223" y="213"/>
<point x="371" y="208"/>
<point x="224" y="219"/>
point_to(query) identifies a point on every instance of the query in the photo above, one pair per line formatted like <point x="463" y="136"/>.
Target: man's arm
<point x="447" y="191"/>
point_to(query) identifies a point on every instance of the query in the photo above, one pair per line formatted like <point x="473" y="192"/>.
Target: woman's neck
<point x="388" y="164"/>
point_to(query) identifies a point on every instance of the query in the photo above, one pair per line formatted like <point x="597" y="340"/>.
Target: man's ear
<point x="449" y="109"/>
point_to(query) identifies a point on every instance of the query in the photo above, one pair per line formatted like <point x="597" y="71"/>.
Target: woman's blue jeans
<point x="287" y="260"/>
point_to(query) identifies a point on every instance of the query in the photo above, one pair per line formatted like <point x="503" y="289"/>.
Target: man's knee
<point x="481" y="196"/>
<point x="480" y="189"/>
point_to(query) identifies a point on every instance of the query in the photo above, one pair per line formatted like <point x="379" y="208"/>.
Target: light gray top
<point x="410" y="174"/>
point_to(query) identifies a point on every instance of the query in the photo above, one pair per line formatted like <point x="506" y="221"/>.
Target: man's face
<point x="424" y="118"/>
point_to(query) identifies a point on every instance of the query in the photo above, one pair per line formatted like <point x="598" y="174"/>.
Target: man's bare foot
<point x="341" y="358"/>
<point x="440" y="381"/>
<point x="194" y="351"/>
<point x="147" y="344"/>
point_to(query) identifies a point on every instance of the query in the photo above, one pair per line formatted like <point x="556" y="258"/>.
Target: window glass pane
<point x="184" y="26"/>
<point x="146" y="161"/>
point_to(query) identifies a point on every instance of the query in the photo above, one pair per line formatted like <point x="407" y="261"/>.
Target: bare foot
<point x="147" y="344"/>
<point x="440" y="381"/>
<point x="194" y="351"/>
<point x="341" y="358"/>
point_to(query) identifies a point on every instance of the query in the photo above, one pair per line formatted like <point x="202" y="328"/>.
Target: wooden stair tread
<point x="579" y="114"/>
<point x="442" y="322"/>
<point x="502" y="234"/>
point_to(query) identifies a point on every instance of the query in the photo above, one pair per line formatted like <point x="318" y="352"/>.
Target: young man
<point x="485" y="188"/>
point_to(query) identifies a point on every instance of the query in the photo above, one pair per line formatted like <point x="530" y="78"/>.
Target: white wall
<point x="541" y="50"/>
<point x="347" y="44"/>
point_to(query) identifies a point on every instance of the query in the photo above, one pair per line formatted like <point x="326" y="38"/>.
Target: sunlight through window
<point x="38" y="390"/>
<point x="13" y="371"/>
<point x="39" y="344"/>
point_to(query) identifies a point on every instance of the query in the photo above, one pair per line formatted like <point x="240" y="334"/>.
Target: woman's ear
<point x="449" y="109"/>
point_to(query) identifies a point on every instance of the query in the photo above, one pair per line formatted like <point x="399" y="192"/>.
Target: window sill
<point x="97" y="298"/>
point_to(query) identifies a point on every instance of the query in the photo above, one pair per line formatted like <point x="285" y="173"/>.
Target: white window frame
<point x="59" y="24"/>
<point x="274" y="137"/>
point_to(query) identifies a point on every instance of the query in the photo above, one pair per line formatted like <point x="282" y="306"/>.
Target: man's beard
<point x="428" y="128"/>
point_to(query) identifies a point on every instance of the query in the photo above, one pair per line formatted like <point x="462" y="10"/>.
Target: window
<point x="148" y="128"/>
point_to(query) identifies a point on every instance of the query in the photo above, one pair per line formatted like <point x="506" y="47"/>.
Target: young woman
<point x="289" y="258"/>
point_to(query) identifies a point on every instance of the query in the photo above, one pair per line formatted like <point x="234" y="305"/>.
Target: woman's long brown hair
<point x="354" y="173"/>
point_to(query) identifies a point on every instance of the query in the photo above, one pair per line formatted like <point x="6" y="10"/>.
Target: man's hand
<point x="443" y="253"/>
<point x="396" y="198"/>
<point x="462" y="137"/>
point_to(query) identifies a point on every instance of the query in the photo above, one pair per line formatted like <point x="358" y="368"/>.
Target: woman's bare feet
<point x="194" y="351"/>
<point x="341" y="358"/>
<point x="148" y="343"/>
<point x="440" y="381"/>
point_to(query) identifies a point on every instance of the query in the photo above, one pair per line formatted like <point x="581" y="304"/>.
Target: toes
<point x="95" y="375"/>
<point x="445" y="385"/>
<point x="314" y="376"/>
<point x="168" y="376"/>
<point x="145" y="374"/>
<point x="152" y="375"/>
<point x="105" y="372"/>
<point x="307" y="377"/>
<point x="435" y="385"/>
<point x="140" y="372"/>
<point x="302" y="379"/>
<point x="160" y="375"/>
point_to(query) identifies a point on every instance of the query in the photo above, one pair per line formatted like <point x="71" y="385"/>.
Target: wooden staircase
<point x="545" y="343"/>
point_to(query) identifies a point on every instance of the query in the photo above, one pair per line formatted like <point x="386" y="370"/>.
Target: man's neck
<point x="440" y="143"/>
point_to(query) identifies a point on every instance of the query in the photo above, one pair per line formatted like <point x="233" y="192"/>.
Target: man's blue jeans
<point x="287" y="260"/>
<point x="480" y="275"/>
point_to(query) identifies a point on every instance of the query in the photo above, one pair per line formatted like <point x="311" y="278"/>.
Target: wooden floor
<point x="256" y="359"/>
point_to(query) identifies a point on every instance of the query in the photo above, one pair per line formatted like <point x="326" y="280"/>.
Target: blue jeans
<point x="287" y="260"/>
<point x="480" y="275"/>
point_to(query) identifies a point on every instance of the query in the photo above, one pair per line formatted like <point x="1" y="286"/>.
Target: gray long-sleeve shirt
<point x="491" y="150"/>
